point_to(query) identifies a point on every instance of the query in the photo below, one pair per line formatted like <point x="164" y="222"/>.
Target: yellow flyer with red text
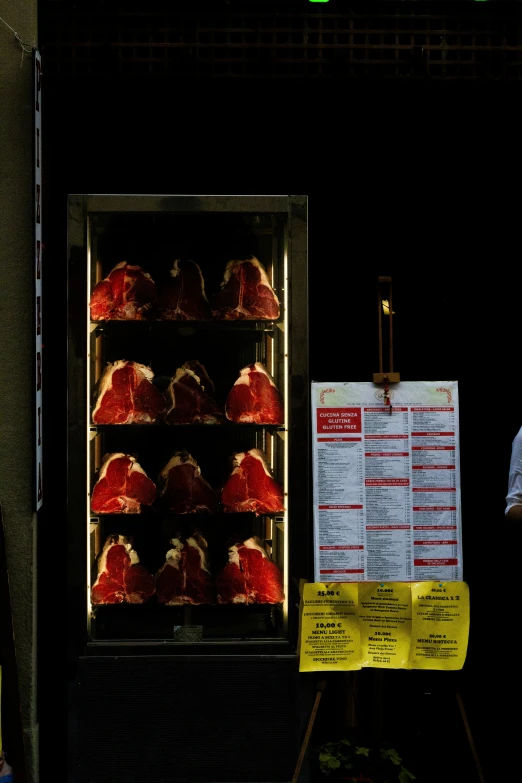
<point x="393" y="625"/>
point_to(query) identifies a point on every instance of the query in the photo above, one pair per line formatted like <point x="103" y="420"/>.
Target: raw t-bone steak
<point x="123" y="487"/>
<point x="127" y="395"/>
<point x="185" y="577"/>
<point x="254" y="398"/>
<point x="120" y="577"/>
<point x="251" y="487"/>
<point x="126" y="294"/>
<point x="190" y="397"/>
<point x="250" y="576"/>
<point x="182" y="297"/>
<point x="246" y="293"/>
<point x="183" y="490"/>
<point x="204" y="378"/>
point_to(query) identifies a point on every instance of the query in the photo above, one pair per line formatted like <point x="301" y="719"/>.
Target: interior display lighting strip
<point x="88" y="434"/>
<point x="286" y="397"/>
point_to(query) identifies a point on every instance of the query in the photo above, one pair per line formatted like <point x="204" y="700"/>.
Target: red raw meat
<point x="189" y="397"/>
<point x="127" y="395"/>
<point x="246" y="293"/>
<point x="126" y="294"/>
<point x="183" y="298"/>
<point x="120" y="578"/>
<point x="122" y="486"/>
<point x="251" y="487"/>
<point x="185" y="578"/>
<point x="250" y="576"/>
<point x="254" y="398"/>
<point x="204" y="378"/>
<point x="183" y="490"/>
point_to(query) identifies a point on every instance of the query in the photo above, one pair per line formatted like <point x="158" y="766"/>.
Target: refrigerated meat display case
<point x="188" y="488"/>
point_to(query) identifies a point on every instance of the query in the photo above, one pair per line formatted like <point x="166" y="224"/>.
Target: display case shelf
<point x="187" y="328"/>
<point x="196" y="624"/>
<point x="184" y="520"/>
<point x="163" y="426"/>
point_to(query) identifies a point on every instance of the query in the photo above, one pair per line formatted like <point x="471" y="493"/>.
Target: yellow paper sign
<point x="346" y="626"/>
<point x="329" y="628"/>
<point x="440" y="625"/>
<point x="385" y="624"/>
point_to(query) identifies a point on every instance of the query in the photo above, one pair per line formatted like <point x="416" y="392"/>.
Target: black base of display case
<point x="192" y="719"/>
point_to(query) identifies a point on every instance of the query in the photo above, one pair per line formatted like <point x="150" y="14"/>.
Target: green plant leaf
<point x="393" y="756"/>
<point x="324" y="757"/>
<point x="376" y="764"/>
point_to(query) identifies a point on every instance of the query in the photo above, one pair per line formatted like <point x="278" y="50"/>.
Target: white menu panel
<point x="386" y="482"/>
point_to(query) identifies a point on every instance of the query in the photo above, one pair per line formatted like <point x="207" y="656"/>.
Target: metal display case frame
<point x="283" y="345"/>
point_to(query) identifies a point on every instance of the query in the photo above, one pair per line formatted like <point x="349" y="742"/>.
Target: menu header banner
<point x="339" y="420"/>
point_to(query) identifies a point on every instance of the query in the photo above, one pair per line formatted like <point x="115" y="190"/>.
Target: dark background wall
<point x="412" y="180"/>
<point x="242" y="39"/>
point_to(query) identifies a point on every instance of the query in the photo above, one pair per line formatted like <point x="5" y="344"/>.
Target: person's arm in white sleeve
<point x="514" y="495"/>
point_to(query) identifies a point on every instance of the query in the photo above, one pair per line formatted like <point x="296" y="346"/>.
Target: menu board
<point x="386" y="482"/>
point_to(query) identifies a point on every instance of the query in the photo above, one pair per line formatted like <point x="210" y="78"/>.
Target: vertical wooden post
<point x="390" y="328"/>
<point x="379" y="321"/>
<point x="388" y="376"/>
<point x="383" y="377"/>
